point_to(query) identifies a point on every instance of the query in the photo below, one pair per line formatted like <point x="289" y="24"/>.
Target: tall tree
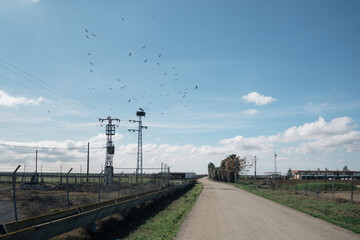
<point x="289" y="174"/>
<point x="345" y="168"/>
<point x="211" y="170"/>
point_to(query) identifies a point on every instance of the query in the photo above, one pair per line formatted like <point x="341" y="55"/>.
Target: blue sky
<point x="279" y="74"/>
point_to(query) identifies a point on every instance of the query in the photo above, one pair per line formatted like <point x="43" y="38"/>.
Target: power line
<point x="41" y="93"/>
<point x="39" y="147"/>
<point x="48" y="87"/>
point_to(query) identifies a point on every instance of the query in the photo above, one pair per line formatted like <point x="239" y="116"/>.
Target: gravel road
<point x="225" y="212"/>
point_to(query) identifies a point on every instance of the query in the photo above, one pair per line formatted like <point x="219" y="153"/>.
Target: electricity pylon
<point x="139" y="164"/>
<point x="110" y="148"/>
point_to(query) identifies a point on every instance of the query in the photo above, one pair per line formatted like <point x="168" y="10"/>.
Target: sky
<point x="215" y="78"/>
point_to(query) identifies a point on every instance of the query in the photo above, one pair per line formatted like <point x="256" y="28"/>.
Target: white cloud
<point x="314" y="137"/>
<point x="258" y="99"/>
<point x="319" y="129"/>
<point x="315" y="108"/>
<point x="250" y="112"/>
<point x="9" y="101"/>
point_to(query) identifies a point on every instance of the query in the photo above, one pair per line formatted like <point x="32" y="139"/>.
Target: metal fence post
<point x="131" y="183"/>
<point x="99" y="182"/>
<point x="306" y="185"/>
<point x="332" y="188"/>
<point x="119" y="183"/>
<point x="14" y="195"/>
<point x="352" y="188"/>
<point x="67" y="188"/>
<point x="317" y="187"/>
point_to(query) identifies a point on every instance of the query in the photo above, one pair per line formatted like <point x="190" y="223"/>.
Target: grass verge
<point x="166" y="224"/>
<point x="346" y="215"/>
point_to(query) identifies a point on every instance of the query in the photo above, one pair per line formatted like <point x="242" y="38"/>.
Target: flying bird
<point x="123" y="19"/>
<point x="129" y="54"/>
<point x="86" y="30"/>
<point x="93" y="35"/>
<point x="160" y="55"/>
<point x="87" y="36"/>
<point x="173" y="67"/>
<point x="89" y="54"/>
<point x="196" y="87"/>
<point x="91" y="63"/>
<point x="123" y="87"/>
<point x="91" y="70"/>
<point x="158" y="64"/>
<point x="119" y="79"/>
<point x="165" y="73"/>
<point x="162" y="113"/>
<point x="143" y="47"/>
<point x="145" y="61"/>
<point x="129" y="100"/>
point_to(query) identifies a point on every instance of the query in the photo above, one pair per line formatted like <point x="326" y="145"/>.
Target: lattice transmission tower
<point x="110" y="148"/>
<point x="139" y="164"/>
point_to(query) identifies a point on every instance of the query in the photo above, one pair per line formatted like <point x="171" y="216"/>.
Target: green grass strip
<point x="166" y="224"/>
<point x="346" y="215"/>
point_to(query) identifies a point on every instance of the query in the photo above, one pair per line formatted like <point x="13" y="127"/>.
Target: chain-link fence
<point x="340" y="190"/>
<point x="24" y="195"/>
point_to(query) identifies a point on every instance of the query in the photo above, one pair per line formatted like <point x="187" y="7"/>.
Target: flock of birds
<point x="118" y="84"/>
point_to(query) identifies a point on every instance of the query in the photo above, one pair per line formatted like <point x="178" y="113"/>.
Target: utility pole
<point x="236" y="170"/>
<point x="87" y="167"/>
<point x="275" y="155"/>
<point x="36" y="153"/>
<point x="110" y="148"/>
<point x="255" y="166"/>
<point x="139" y="164"/>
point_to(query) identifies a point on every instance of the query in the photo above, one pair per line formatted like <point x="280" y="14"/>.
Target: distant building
<point x="310" y="174"/>
<point x="183" y="175"/>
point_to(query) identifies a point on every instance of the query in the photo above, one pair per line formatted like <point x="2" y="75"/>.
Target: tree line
<point x="229" y="169"/>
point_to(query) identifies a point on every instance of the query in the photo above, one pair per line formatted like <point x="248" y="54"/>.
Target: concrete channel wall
<point x="51" y="225"/>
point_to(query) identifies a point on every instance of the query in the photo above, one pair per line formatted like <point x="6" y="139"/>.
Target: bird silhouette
<point x="123" y="19"/>
<point x="173" y="67"/>
<point x="87" y="36"/>
<point x="143" y="47"/>
<point x="129" y="54"/>
<point x="160" y="55"/>
<point x="165" y="73"/>
<point x="91" y="63"/>
<point x="91" y="70"/>
<point x="89" y="54"/>
<point x="196" y="87"/>
<point x="145" y="61"/>
<point x="158" y="64"/>
<point x="86" y="30"/>
<point x="123" y="87"/>
<point x="129" y="100"/>
<point x="93" y="35"/>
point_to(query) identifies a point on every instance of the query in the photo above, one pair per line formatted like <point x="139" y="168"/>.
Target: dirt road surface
<point x="225" y="212"/>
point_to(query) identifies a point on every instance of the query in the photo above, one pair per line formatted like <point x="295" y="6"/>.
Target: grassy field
<point x="167" y="223"/>
<point x="346" y="215"/>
